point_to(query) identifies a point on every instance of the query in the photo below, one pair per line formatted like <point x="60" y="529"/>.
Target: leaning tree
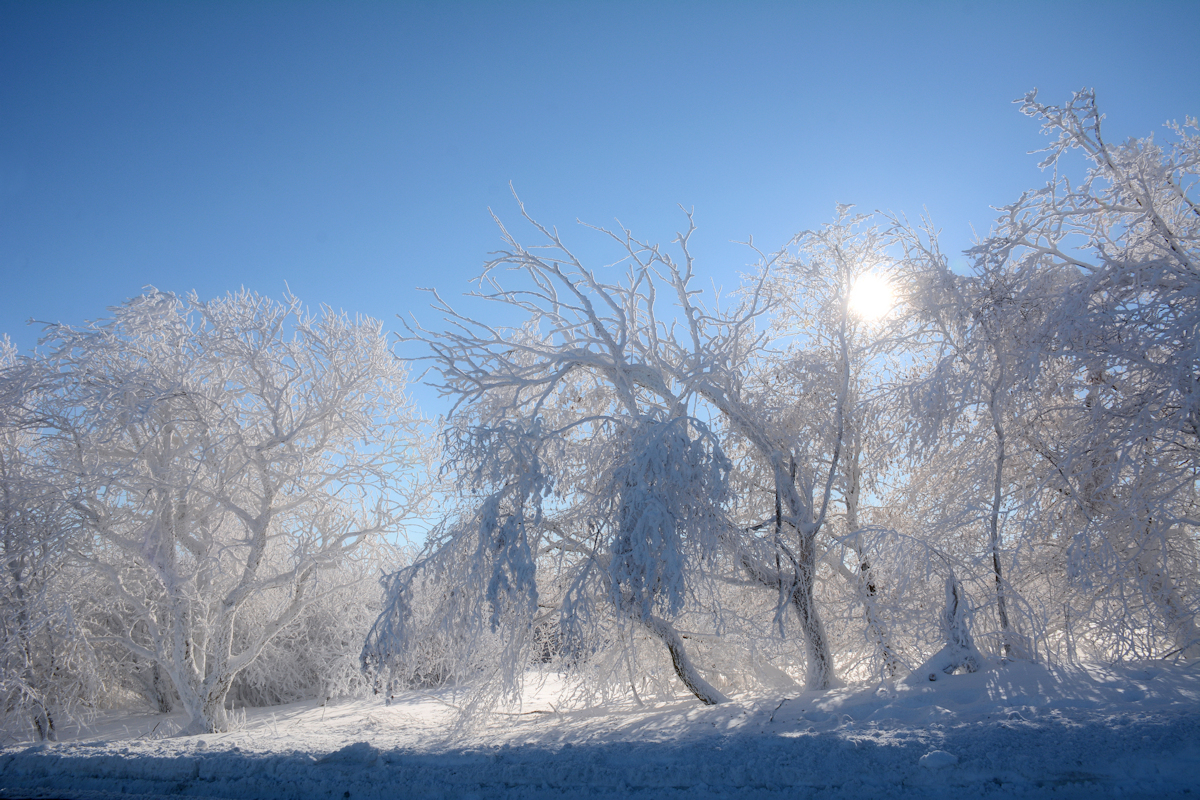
<point x="593" y="493"/>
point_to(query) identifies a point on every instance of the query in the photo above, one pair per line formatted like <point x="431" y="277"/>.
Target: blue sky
<point x="353" y="149"/>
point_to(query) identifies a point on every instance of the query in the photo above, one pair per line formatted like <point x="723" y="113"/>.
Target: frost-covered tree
<point x="801" y="398"/>
<point x="1059" y="399"/>
<point x="1118" y="355"/>
<point x="47" y="671"/>
<point x="219" y="457"/>
<point x="592" y="493"/>
<point x="972" y="403"/>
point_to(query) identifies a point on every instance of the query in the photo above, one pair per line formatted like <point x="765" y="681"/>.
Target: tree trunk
<point x="1179" y="617"/>
<point x="798" y="590"/>
<point x="43" y="721"/>
<point x="960" y="651"/>
<point x="160" y="690"/>
<point x="866" y="581"/>
<point x="816" y="644"/>
<point x="684" y="668"/>
<point x="206" y="707"/>
<point x="214" y="712"/>
<point x="1006" y="632"/>
<point x="193" y="704"/>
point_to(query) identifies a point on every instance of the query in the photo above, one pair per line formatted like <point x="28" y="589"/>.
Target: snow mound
<point x="938" y="759"/>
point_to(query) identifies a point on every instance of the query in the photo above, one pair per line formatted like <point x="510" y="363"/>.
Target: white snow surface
<point x="1014" y="730"/>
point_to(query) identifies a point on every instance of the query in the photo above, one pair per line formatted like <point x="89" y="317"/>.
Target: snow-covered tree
<point x="598" y="494"/>
<point x="47" y="671"/>
<point x="1119" y="353"/>
<point x="801" y="400"/>
<point x="973" y="401"/>
<point x="220" y="456"/>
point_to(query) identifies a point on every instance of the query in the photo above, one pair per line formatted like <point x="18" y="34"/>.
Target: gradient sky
<point x="353" y="149"/>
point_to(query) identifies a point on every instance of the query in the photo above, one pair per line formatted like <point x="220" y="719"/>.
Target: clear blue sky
<point x="353" y="149"/>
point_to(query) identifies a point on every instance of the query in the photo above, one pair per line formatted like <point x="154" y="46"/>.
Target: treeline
<point x="859" y="465"/>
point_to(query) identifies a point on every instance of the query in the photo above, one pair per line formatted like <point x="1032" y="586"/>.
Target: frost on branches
<point x="857" y="465"/>
<point x="783" y="485"/>
<point x="1115" y="435"/>
<point x="47" y="669"/>
<point x="221" y="467"/>
<point x="630" y="408"/>
<point x="572" y="529"/>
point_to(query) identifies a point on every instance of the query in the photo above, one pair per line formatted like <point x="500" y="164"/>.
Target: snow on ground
<point x="1019" y="730"/>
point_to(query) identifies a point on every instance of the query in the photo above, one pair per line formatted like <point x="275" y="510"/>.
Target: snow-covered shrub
<point x="317" y="655"/>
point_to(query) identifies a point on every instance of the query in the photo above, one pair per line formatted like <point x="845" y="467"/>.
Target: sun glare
<point x="871" y="297"/>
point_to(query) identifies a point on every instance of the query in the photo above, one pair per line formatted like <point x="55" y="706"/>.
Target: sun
<point x="871" y="297"/>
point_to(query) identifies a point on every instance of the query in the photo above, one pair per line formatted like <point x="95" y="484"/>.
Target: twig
<point x="781" y="702"/>
<point x="440" y="700"/>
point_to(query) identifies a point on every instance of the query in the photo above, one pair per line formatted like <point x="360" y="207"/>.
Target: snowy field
<point x="1021" y="730"/>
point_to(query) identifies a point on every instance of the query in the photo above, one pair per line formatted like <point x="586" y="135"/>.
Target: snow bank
<point x="1022" y="730"/>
